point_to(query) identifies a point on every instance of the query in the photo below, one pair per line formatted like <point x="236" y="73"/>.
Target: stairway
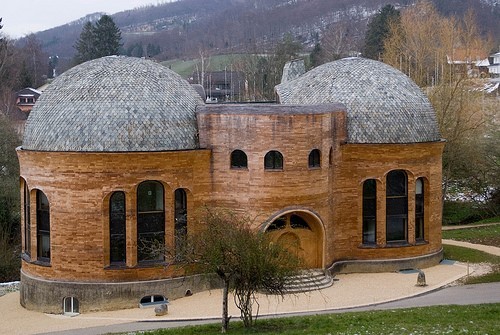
<point x="310" y="280"/>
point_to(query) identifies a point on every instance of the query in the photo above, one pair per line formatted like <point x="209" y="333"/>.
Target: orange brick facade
<point x="328" y="197"/>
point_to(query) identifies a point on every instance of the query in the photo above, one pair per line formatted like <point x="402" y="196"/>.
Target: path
<point x="486" y="248"/>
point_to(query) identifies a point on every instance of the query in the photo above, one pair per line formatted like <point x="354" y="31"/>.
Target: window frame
<point x="43" y="227"/>
<point x="396" y="208"/>
<point x="123" y="222"/>
<point x="274" y="161"/>
<point x="180" y="220"/>
<point x="420" y="210"/>
<point x="150" y="215"/>
<point x="314" y="160"/>
<point x="239" y="156"/>
<point x="27" y="219"/>
<point x="369" y="220"/>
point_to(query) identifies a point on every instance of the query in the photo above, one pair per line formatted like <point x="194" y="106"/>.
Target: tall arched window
<point x="397" y="206"/>
<point x="239" y="160"/>
<point x="117" y="224"/>
<point x="27" y="220"/>
<point x="42" y="227"/>
<point x="315" y="158"/>
<point x="180" y="220"/>
<point x="419" y="209"/>
<point x="150" y="221"/>
<point x="369" y="211"/>
<point x="273" y="160"/>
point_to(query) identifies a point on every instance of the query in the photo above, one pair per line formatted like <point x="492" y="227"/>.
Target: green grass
<point x="472" y="319"/>
<point x="488" y="235"/>
<point x="465" y="255"/>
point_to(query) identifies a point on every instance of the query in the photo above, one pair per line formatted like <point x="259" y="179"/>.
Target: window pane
<point x="150" y="197"/>
<point x="369" y="228"/>
<point x="150" y="221"/>
<point x="239" y="159"/>
<point x="369" y="211"/>
<point x="397" y="206"/>
<point x="273" y="160"/>
<point x="396" y="183"/>
<point x="396" y="229"/>
<point x="314" y="158"/>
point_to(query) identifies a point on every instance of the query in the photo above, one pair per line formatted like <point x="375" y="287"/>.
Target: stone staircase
<point x="310" y="280"/>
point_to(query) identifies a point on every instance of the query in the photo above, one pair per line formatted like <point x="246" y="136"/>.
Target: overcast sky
<point x="22" y="17"/>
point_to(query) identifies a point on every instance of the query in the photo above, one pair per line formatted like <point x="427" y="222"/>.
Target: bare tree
<point x="245" y="260"/>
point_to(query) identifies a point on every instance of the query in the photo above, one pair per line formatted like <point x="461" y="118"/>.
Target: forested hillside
<point x="181" y="29"/>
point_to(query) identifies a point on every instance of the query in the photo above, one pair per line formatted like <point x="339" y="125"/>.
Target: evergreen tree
<point x="103" y="39"/>
<point x="85" y="47"/>
<point x="108" y="37"/>
<point x="378" y="30"/>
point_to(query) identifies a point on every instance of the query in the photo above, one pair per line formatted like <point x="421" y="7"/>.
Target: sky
<point x="22" y="17"/>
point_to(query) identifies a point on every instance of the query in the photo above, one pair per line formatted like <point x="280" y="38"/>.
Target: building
<point x="25" y="100"/>
<point x="221" y="86"/>
<point x="119" y="152"/>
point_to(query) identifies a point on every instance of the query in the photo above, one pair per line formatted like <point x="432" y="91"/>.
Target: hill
<point x="181" y="29"/>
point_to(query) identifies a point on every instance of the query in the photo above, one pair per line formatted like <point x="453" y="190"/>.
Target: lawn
<point x="472" y="319"/>
<point x="467" y="255"/>
<point x="488" y="235"/>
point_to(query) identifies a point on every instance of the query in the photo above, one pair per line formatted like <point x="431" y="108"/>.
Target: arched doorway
<point x="300" y="233"/>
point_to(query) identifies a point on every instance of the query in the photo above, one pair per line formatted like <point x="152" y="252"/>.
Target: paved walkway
<point x="466" y="226"/>
<point x="486" y="248"/>
<point x="350" y="290"/>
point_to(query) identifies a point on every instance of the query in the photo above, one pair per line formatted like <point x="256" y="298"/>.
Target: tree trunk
<point x="225" y="316"/>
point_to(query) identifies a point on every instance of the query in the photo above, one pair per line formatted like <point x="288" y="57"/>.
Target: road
<point x="455" y="295"/>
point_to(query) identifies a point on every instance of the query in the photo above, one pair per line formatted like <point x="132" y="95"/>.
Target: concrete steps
<point x="310" y="280"/>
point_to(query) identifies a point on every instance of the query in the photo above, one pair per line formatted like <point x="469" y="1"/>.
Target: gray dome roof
<point x="383" y="104"/>
<point x="114" y="104"/>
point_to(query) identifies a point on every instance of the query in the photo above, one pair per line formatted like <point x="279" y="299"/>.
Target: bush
<point x="462" y="212"/>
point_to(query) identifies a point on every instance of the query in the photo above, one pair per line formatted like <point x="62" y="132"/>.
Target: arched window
<point x="396" y="206"/>
<point x="273" y="160"/>
<point x="419" y="209"/>
<point x="150" y="221"/>
<point x="42" y="227"/>
<point x="27" y="219"/>
<point x="315" y="158"/>
<point x="369" y="211"/>
<point x="180" y="220"/>
<point x="239" y="160"/>
<point x="117" y="224"/>
<point x="330" y="157"/>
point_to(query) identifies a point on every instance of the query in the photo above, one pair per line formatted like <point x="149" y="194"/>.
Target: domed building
<point x="119" y="152"/>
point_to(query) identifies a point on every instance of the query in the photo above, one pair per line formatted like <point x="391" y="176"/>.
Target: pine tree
<point x="378" y="30"/>
<point x="85" y="47"/>
<point x="103" y="39"/>
<point x="108" y="37"/>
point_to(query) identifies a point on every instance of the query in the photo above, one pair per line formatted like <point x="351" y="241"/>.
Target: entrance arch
<point x="301" y="233"/>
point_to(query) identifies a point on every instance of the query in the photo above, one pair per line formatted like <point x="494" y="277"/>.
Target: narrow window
<point x="315" y="159"/>
<point x="369" y="211"/>
<point x="42" y="227"/>
<point x="180" y="221"/>
<point x="396" y="206"/>
<point x="239" y="160"/>
<point x="117" y="224"/>
<point x="330" y="157"/>
<point x="273" y="160"/>
<point x="27" y="220"/>
<point x="150" y="221"/>
<point x="419" y="209"/>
